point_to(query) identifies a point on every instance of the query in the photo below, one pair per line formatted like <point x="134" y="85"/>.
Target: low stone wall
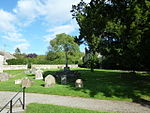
<point x="53" y="66"/>
<point x="14" y="67"/>
<point x="17" y="67"/>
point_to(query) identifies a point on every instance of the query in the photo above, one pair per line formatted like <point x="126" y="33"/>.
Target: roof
<point x="7" y="55"/>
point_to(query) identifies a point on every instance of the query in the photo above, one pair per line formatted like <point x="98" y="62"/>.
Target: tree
<point x="17" y="51"/>
<point x="63" y="46"/>
<point x="31" y="55"/>
<point x="115" y="28"/>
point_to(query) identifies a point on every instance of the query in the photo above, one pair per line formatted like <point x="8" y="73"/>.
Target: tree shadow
<point x="111" y="84"/>
<point x="115" y="84"/>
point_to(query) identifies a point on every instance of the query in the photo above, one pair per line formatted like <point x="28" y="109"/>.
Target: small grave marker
<point x="49" y="81"/>
<point x="79" y="83"/>
<point x="64" y="79"/>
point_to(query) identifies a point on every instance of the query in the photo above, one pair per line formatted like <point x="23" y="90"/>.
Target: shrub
<point x="24" y="61"/>
<point x="17" y="61"/>
<point x="29" y="65"/>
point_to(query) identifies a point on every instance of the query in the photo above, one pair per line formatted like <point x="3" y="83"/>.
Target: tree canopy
<point x="63" y="45"/>
<point x="117" y="29"/>
<point x="17" y="51"/>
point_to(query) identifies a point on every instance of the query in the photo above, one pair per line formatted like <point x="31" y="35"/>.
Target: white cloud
<point x="15" y="37"/>
<point x="7" y="21"/>
<point x="22" y="46"/>
<point x="28" y="10"/>
<point x="8" y="27"/>
<point x="58" y="11"/>
<point x="69" y="28"/>
<point x="62" y="29"/>
<point x="53" y="11"/>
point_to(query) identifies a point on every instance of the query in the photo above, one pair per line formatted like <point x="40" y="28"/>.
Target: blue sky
<point x="31" y="24"/>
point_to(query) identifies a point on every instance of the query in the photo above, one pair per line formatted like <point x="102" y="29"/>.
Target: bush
<point x="17" y="61"/>
<point x="29" y="65"/>
<point x="25" y="61"/>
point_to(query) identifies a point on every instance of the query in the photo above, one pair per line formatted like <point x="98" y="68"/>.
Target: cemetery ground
<point x="101" y="84"/>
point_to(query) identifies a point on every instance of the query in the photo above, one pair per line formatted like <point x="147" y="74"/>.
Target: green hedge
<point x="24" y="61"/>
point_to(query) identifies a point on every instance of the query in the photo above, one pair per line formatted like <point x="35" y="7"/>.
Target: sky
<point x="30" y="24"/>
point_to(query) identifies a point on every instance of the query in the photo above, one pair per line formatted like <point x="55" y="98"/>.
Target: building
<point x="6" y="56"/>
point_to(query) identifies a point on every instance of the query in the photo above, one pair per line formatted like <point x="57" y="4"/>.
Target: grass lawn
<point x="48" y="108"/>
<point x="101" y="84"/>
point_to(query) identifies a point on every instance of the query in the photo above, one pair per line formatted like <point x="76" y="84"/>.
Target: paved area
<point x="92" y="104"/>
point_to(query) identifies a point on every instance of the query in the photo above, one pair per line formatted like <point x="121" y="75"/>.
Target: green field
<point x="47" y="108"/>
<point x="101" y="84"/>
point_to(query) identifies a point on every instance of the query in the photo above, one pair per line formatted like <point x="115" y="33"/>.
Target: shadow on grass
<point x="31" y="75"/>
<point x="113" y="84"/>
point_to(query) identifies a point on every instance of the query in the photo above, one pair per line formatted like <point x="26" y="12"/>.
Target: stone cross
<point x="1" y="63"/>
<point x="49" y="81"/>
<point x="38" y="74"/>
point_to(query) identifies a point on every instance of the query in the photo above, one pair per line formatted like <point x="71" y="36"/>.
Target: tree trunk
<point x="66" y="59"/>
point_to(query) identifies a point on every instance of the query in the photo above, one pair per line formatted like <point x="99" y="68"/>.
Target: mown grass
<point x="47" y="108"/>
<point x="101" y="84"/>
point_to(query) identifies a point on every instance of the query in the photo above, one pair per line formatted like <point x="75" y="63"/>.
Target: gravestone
<point x="38" y="74"/>
<point x="1" y="63"/>
<point x="19" y="81"/>
<point x="64" y="79"/>
<point x="60" y="67"/>
<point x="27" y="71"/>
<point x="49" y="81"/>
<point x="33" y="70"/>
<point x="5" y="76"/>
<point x="26" y="82"/>
<point x="79" y="83"/>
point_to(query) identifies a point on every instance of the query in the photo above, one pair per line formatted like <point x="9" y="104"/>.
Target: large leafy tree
<point x="17" y="51"/>
<point x="115" y="28"/>
<point x="64" y="46"/>
<point x="92" y="21"/>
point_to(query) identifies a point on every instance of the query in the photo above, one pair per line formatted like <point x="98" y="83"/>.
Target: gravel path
<point x="93" y="104"/>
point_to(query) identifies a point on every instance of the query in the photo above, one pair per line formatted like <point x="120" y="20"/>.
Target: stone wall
<point x="53" y="66"/>
<point x="14" y="67"/>
<point x="17" y="67"/>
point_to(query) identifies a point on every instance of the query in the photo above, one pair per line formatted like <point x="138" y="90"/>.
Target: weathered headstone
<point x="27" y="71"/>
<point x="60" y="67"/>
<point x="26" y="82"/>
<point x="49" y="81"/>
<point x="5" y="76"/>
<point x="1" y="63"/>
<point x="19" y="81"/>
<point x="79" y="83"/>
<point x="33" y="70"/>
<point x="64" y="79"/>
<point x="38" y="74"/>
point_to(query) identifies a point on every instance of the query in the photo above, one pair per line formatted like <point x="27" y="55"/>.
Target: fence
<point x="11" y="103"/>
